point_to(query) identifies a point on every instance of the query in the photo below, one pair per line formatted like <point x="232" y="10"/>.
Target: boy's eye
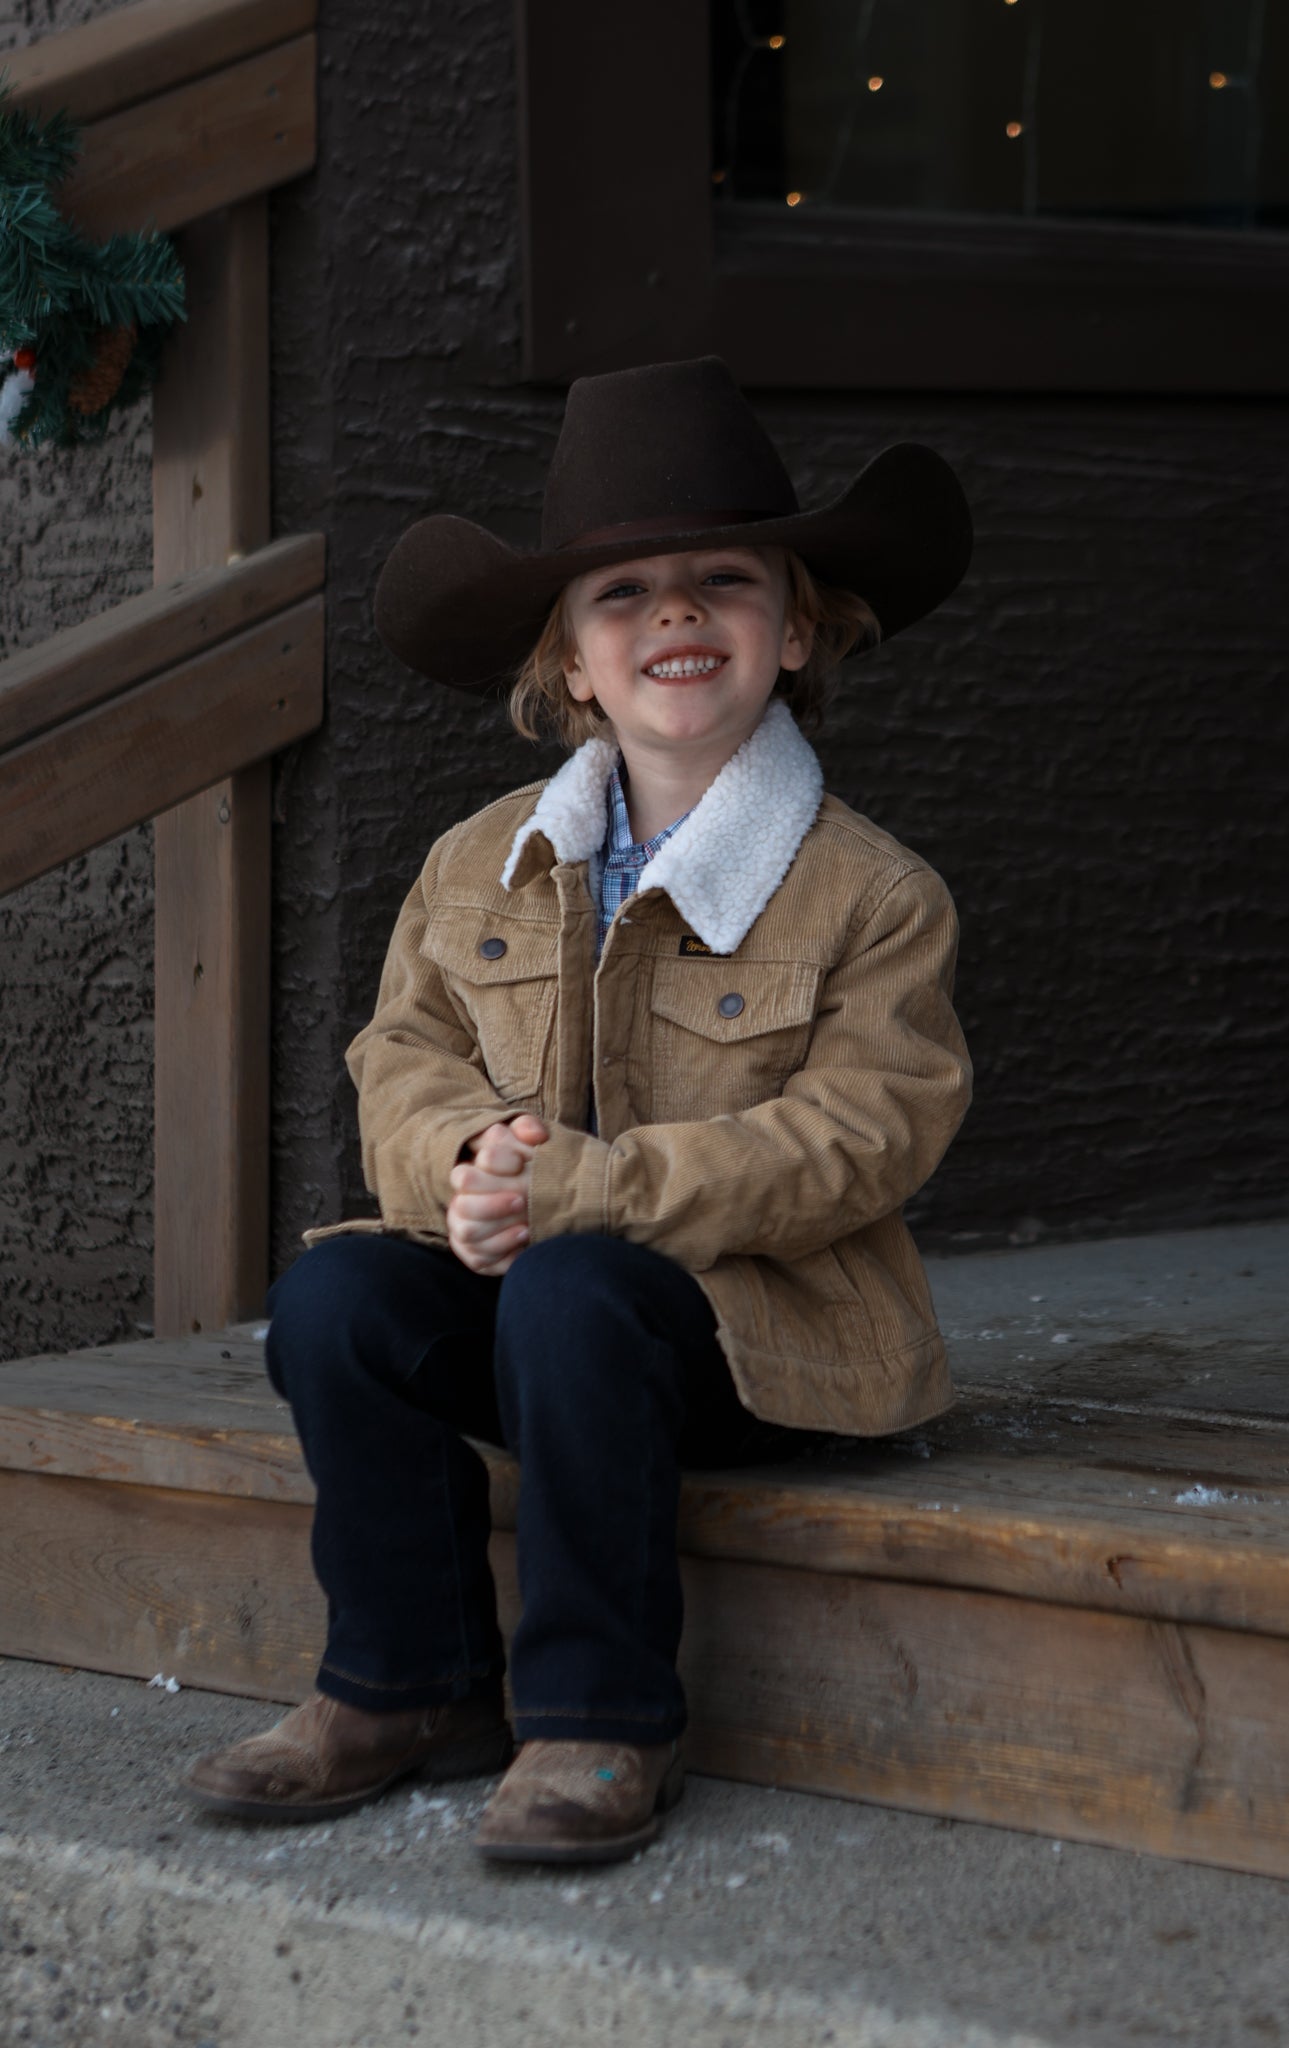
<point x="727" y="576"/>
<point x="620" y="590"/>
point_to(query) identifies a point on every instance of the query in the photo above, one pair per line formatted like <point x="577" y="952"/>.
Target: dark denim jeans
<point x="596" y="1362"/>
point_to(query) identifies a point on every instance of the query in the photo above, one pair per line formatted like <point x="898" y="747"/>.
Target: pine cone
<point x="96" y="387"/>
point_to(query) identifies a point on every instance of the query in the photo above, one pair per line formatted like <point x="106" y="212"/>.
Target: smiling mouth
<point x="679" y="668"/>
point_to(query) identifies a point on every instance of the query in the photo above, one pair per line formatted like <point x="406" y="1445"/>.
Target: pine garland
<point x="81" y="323"/>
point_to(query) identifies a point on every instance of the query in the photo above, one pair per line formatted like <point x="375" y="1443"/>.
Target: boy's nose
<point x="673" y="606"/>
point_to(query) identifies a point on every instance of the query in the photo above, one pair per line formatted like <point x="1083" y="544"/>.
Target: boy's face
<point x="682" y="651"/>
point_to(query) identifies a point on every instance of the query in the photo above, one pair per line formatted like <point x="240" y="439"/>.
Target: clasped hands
<point x="488" y="1211"/>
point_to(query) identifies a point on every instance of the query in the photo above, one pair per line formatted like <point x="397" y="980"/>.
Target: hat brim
<point x="464" y="609"/>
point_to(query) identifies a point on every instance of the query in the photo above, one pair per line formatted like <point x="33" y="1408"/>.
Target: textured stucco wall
<point x="76" y="946"/>
<point x="1081" y="740"/>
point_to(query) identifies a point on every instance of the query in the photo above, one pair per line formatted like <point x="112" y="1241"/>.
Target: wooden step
<point x="1059" y="1614"/>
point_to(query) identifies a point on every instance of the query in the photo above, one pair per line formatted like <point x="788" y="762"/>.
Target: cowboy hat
<point x="660" y="460"/>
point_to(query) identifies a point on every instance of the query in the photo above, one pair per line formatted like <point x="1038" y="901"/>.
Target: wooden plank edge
<point x="1111" y="1729"/>
<point x="87" y="664"/>
<point x="101" y="67"/>
<point x="1126" y="1567"/>
<point x="255" y="122"/>
<point x="152" y="747"/>
<point x="1096" y="1728"/>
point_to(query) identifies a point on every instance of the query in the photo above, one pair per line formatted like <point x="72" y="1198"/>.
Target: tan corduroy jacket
<point x="770" y="1039"/>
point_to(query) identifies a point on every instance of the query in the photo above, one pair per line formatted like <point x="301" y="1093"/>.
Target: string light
<point x="795" y="198"/>
<point x="1015" y="128"/>
<point x="875" y="84"/>
<point x="775" y="42"/>
<point x="718" y="177"/>
<point x="1217" y="79"/>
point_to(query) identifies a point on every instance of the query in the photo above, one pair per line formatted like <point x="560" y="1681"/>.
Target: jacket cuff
<point x="569" y="1193"/>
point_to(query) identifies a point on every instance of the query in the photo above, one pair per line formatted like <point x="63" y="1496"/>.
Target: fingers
<point x="529" y="1129"/>
<point x="488" y="1137"/>
<point x="479" y="1180"/>
<point x="476" y="1207"/>
<point x="487" y="1269"/>
<point x="489" y="1241"/>
<point x="508" y="1159"/>
<point x="507" y="1148"/>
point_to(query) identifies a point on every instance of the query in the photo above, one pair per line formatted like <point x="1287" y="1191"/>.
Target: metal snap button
<point x="730" y="1005"/>
<point x="492" y="949"/>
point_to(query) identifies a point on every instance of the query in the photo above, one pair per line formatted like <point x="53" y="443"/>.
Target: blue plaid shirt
<point x="617" y="867"/>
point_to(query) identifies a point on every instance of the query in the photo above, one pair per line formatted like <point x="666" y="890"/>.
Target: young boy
<point x="661" y="1047"/>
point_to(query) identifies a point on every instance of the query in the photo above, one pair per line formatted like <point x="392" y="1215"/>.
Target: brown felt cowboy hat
<point x="655" y="461"/>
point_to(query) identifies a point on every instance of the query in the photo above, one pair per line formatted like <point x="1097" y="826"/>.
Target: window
<point x="959" y="194"/>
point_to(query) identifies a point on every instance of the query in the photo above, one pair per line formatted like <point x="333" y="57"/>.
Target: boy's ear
<point x="798" y="640"/>
<point x="579" y="687"/>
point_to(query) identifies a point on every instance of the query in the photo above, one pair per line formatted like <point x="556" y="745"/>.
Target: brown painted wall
<point x="1082" y="740"/>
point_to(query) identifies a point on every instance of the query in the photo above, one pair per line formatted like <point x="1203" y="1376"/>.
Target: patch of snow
<point x="1205" y="1497"/>
<point x="162" y="1683"/>
<point x="260" y="1332"/>
<point x="1062" y="1337"/>
<point x="778" y="1843"/>
<point x="733" y="1884"/>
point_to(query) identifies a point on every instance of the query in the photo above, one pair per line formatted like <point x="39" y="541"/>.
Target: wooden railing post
<point x="210" y="501"/>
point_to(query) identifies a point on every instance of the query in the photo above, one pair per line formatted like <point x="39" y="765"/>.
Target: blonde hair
<point x="840" y="623"/>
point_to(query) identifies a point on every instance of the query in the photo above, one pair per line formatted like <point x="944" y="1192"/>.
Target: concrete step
<point x="761" y="1919"/>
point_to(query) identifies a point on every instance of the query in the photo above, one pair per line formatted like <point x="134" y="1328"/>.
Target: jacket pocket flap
<point x="471" y="947"/>
<point x="701" y="996"/>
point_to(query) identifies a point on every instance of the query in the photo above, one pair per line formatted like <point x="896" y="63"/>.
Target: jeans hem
<point x="645" y="1733"/>
<point x="399" y="1697"/>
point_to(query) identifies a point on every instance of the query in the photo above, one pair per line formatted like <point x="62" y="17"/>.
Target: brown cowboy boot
<point x="580" y="1802"/>
<point x="326" y="1757"/>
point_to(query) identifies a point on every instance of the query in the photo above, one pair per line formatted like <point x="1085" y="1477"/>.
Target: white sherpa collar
<point x="722" y="866"/>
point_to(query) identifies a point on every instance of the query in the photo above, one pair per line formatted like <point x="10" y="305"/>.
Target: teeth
<point x="686" y="665"/>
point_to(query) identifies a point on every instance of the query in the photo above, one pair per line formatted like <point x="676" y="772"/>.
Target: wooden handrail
<point x="191" y="112"/>
<point x="83" y="666"/>
<point x="186" y="106"/>
<point x="151" y="747"/>
<point x="107" y="65"/>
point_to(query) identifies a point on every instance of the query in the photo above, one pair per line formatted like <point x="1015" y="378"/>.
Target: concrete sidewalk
<point x="761" y="1917"/>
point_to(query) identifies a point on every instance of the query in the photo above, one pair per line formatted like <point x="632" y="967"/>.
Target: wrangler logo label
<point x="690" y="945"/>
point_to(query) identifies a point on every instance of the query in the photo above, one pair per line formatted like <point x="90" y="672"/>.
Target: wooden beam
<point x="135" y="52"/>
<point x="176" y="158"/>
<point x="169" y="738"/>
<point x="1067" y="1522"/>
<point x="210" y="498"/>
<point x="87" y="664"/>
<point x="136" y="1580"/>
<point x="1094" y="1727"/>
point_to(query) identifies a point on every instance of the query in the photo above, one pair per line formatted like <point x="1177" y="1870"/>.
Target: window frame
<point x="626" y="262"/>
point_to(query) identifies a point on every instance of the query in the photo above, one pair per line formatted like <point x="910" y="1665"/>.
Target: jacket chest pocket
<point x="503" y="982"/>
<point x="724" y="1035"/>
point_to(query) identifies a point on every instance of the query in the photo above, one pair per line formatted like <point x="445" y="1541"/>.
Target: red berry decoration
<point x="24" y="359"/>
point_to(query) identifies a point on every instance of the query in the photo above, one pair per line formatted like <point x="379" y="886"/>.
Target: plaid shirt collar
<point x="621" y="860"/>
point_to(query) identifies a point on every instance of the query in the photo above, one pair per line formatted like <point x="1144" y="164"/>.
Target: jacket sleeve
<point x="422" y="1088"/>
<point x="857" y="1130"/>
